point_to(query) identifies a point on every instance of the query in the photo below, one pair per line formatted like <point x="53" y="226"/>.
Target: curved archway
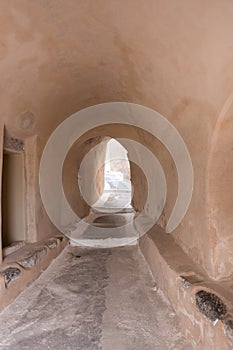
<point x="117" y="192"/>
<point x="127" y="113"/>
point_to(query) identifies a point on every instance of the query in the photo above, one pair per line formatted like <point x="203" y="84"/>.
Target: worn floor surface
<point x="92" y="299"/>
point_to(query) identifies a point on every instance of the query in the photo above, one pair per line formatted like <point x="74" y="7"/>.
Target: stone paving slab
<point x="92" y="299"/>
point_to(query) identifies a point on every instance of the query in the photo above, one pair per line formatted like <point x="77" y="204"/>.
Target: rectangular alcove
<point x="18" y="193"/>
<point x="13" y="203"/>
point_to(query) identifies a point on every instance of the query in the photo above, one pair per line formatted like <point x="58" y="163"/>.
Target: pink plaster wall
<point x="59" y="56"/>
<point x="220" y="193"/>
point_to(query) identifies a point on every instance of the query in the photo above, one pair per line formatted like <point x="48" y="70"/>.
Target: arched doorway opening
<point x="117" y="191"/>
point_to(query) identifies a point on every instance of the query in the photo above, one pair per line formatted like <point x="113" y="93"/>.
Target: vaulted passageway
<point x="156" y="76"/>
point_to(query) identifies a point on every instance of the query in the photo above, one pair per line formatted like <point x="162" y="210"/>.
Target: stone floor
<point x="92" y="299"/>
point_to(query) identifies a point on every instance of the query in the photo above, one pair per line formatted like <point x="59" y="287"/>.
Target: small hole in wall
<point x="210" y="305"/>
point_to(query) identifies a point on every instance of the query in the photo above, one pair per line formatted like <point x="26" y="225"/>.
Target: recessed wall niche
<point x="20" y="188"/>
<point x="13" y="195"/>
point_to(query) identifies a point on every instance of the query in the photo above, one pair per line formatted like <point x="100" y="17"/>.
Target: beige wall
<point x="1" y="162"/>
<point x="220" y="192"/>
<point x="57" y="57"/>
<point x="92" y="177"/>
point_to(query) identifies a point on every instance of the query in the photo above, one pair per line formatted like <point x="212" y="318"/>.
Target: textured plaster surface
<point x="92" y="299"/>
<point x="58" y="57"/>
<point x="204" y="306"/>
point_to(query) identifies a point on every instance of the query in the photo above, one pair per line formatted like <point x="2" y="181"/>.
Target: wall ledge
<point x="204" y="307"/>
<point x="22" y="267"/>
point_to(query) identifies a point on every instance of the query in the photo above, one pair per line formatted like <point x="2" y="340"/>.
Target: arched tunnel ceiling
<point x="59" y="56"/>
<point x="96" y="136"/>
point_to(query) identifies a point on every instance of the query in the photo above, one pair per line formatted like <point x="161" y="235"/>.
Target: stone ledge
<point x="12" y="248"/>
<point x="33" y="258"/>
<point x="208" y="322"/>
<point x="10" y="274"/>
<point x="22" y="267"/>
